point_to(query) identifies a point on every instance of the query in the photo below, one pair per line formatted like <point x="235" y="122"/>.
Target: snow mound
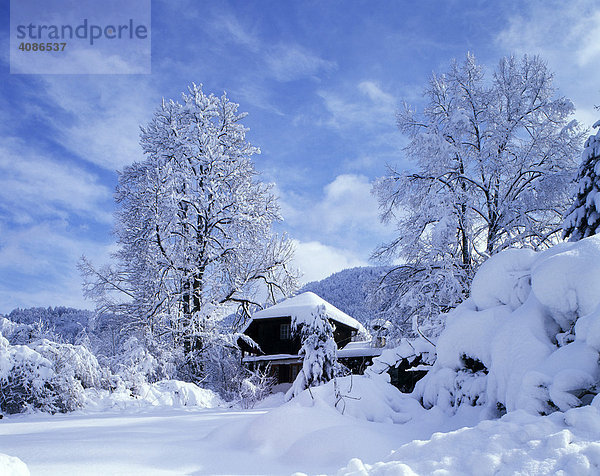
<point x="363" y="398"/>
<point x="182" y="394"/>
<point x="170" y="393"/>
<point x="519" y="443"/>
<point x="326" y="427"/>
<point x="12" y="466"/>
<point x="528" y="337"/>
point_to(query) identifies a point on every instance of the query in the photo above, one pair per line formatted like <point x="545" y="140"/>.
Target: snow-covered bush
<point x="406" y="353"/>
<point x="25" y="379"/>
<point x="139" y="363"/>
<point x="527" y="338"/>
<point x="256" y="387"/>
<point x="71" y="361"/>
<point x="30" y="380"/>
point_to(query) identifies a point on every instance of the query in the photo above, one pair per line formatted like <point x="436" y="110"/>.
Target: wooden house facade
<point x="278" y="346"/>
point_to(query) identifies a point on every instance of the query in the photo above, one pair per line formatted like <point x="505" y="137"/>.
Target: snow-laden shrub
<point x="527" y="338"/>
<point x="138" y="363"/>
<point x="46" y="376"/>
<point x="176" y="393"/>
<point x="172" y="393"/>
<point x="71" y="361"/>
<point x="255" y="387"/>
<point x="406" y="352"/>
<point x="27" y="380"/>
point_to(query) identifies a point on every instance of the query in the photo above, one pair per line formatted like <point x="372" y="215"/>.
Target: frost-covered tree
<point x="491" y="164"/>
<point x="194" y="228"/>
<point x="318" y="352"/>
<point x="583" y="218"/>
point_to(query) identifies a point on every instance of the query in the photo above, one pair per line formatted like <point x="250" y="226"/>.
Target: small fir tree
<point x="583" y="218"/>
<point x="318" y="352"/>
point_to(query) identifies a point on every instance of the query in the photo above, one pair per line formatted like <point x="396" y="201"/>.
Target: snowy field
<point x="374" y="436"/>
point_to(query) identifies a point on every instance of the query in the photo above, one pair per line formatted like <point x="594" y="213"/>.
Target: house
<point x="271" y="329"/>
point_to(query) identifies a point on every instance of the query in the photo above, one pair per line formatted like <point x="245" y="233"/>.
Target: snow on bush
<point x="26" y="380"/>
<point x="527" y="338"/>
<point x="181" y="394"/>
<point x="408" y="351"/>
<point x="12" y="466"/>
<point x="172" y="393"/>
<point x="46" y="376"/>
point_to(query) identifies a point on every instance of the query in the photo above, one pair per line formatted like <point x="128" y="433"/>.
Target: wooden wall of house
<point x="267" y="334"/>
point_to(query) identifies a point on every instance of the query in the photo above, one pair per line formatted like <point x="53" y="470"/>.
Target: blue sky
<point x="321" y="82"/>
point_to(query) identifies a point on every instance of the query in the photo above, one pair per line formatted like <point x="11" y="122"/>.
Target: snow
<point x="513" y="391"/>
<point x="12" y="466"/>
<point x="380" y="431"/>
<point x="301" y="307"/>
<point x="528" y="338"/>
<point x="519" y="443"/>
<point x="359" y="349"/>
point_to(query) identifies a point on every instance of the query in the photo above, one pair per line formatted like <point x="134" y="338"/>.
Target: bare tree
<point x="194" y="227"/>
<point x="492" y="160"/>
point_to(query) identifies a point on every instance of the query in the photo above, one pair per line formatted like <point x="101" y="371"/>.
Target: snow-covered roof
<point x="301" y="307"/>
<point x="359" y="349"/>
<point x="284" y="358"/>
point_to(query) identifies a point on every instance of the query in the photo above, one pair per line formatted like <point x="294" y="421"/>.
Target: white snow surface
<point x="533" y="321"/>
<point x="166" y="393"/>
<point x="519" y="443"/>
<point x="12" y="466"/>
<point x="380" y="431"/>
<point x="302" y="306"/>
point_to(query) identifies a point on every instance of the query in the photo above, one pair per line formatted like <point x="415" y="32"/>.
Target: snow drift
<point x="12" y="466"/>
<point x="527" y="338"/>
<point x="518" y="443"/>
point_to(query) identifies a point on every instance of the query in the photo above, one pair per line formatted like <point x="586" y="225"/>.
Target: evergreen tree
<point x="318" y="352"/>
<point x="583" y="218"/>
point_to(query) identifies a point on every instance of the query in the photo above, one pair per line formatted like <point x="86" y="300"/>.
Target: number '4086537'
<point x="42" y="46"/>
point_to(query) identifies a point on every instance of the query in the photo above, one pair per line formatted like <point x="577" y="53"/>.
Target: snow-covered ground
<point x="294" y="437"/>
<point x="383" y="432"/>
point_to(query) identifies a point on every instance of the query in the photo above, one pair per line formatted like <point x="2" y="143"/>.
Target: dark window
<point x="284" y="332"/>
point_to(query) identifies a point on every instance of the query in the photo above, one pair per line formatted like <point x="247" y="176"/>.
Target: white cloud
<point x="228" y="24"/>
<point x="346" y="207"/>
<point x="316" y="260"/>
<point x="283" y="61"/>
<point x="373" y="107"/>
<point x="567" y="36"/>
<point x="289" y="62"/>
<point x="36" y="187"/>
<point x="44" y="256"/>
<point x="376" y="94"/>
<point x="107" y="115"/>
